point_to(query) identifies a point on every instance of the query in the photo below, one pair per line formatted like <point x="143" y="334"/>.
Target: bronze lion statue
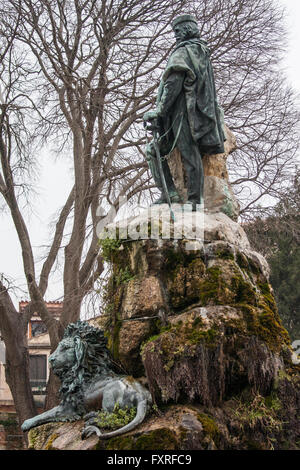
<point x="89" y="383"/>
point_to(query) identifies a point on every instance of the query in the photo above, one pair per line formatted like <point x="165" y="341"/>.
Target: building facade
<point x="39" y="351"/>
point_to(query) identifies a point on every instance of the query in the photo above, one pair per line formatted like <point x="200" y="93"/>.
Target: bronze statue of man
<point x="187" y="114"/>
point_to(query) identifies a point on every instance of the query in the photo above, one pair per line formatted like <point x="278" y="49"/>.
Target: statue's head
<point x="82" y="352"/>
<point x="185" y="27"/>
<point x="64" y="355"/>
<point x="80" y="358"/>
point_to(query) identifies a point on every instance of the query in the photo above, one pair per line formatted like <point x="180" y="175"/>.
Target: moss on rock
<point x="43" y="436"/>
<point x="158" y="439"/>
<point x="180" y="340"/>
<point x="262" y="323"/>
<point x="50" y="441"/>
<point x="110" y="248"/>
<point x="210" y="427"/>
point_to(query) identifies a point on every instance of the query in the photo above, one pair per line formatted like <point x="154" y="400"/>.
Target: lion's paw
<point x="91" y="414"/>
<point x="89" y="431"/>
<point x="26" y="425"/>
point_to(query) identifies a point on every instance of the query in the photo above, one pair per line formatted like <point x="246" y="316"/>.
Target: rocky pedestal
<point x="195" y="319"/>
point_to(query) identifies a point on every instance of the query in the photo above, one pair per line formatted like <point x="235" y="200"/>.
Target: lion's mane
<point x="92" y="361"/>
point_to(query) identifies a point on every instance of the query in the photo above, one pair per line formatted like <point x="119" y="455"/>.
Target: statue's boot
<point x="194" y="203"/>
<point x="174" y="196"/>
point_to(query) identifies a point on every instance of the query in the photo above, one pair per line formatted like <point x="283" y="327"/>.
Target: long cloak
<point x="204" y="115"/>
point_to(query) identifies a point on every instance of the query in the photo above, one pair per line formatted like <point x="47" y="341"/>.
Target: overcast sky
<point x="292" y="62"/>
<point x="55" y="181"/>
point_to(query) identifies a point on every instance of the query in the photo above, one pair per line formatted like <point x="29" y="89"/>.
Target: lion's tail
<point x="141" y="412"/>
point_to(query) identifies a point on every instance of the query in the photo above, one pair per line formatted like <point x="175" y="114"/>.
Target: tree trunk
<point x="52" y="395"/>
<point x="17" y="378"/>
<point x="13" y="331"/>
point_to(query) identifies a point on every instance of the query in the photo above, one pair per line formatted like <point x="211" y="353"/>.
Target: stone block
<point x="142" y="297"/>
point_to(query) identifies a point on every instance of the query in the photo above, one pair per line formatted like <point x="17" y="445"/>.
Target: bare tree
<point x="91" y="69"/>
<point x="279" y="222"/>
<point x="13" y="326"/>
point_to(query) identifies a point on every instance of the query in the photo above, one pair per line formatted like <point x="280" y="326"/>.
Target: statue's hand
<point x="150" y="151"/>
<point x="150" y="116"/>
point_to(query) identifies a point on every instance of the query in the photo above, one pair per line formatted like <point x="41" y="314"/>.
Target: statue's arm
<point x="171" y="90"/>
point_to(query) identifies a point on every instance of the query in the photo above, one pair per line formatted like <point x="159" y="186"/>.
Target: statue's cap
<point x="183" y="19"/>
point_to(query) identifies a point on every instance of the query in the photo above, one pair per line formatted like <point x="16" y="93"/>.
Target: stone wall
<point x="11" y="436"/>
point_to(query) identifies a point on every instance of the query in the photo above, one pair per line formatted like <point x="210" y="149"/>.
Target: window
<point x="38" y="328"/>
<point x="38" y="370"/>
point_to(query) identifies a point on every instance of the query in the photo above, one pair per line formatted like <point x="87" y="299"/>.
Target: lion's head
<point x="80" y="358"/>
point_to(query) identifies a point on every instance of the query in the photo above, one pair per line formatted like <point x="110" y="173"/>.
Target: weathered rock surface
<point x="155" y="279"/>
<point x="60" y="436"/>
<point x="218" y="194"/>
<point x="156" y="223"/>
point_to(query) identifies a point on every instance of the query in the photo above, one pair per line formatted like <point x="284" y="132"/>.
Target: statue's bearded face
<point x="185" y="30"/>
<point x="64" y="356"/>
<point x="179" y="32"/>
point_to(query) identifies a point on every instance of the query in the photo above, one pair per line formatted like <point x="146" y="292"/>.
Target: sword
<point x="153" y="127"/>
